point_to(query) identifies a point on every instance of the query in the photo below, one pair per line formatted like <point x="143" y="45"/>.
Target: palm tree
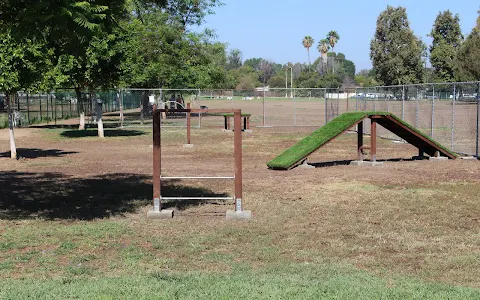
<point x="333" y="38"/>
<point x="323" y="47"/>
<point x="307" y="42"/>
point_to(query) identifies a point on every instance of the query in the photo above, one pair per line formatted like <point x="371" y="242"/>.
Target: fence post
<point x="47" y="108"/>
<point x="478" y="118"/>
<point x="28" y="111"/>
<point x="417" y="106"/>
<point x="453" y="116"/>
<point x="326" y="107"/>
<point x="403" y="102"/>
<point x="433" y="111"/>
<point x="40" y="101"/>
<point x="294" y="112"/>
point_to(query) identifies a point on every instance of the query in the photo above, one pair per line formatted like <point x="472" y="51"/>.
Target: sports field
<point x="73" y="217"/>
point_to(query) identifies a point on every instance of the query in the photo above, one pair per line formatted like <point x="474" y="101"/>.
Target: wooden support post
<point x="360" y="141"/>
<point x="238" y="159"/>
<point x="420" y="152"/>
<point x="157" y="162"/>
<point x="188" y="124"/>
<point x="373" y="141"/>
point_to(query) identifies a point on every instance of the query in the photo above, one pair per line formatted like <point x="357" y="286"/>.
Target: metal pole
<point x="478" y="119"/>
<point x="40" y="101"/>
<point x="238" y="159"/>
<point x="347" y="101"/>
<point x="157" y="161"/>
<point x="28" y="110"/>
<point x="294" y="112"/>
<point x="360" y="141"/>
<point x="453" y="117"/>
<point x="291" y="81"/>
<point x="433" y="112"/>
<point x="403" y="102"/>
<point x="47" y="108"/>
<point x="54" y="106"/>
<point x="263" y="101"/>
<point x="286" y="82"/>
<point x="373" y="140"/>
<point x="188" y="124"/>
<point x="326" y="106"/>
<point x="417" y="107"/>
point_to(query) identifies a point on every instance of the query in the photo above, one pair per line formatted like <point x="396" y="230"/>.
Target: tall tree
<point x="333" y="38"/>
<point x="191" y="12"/>
<point x="447" y="38"/>
<point x="307" y="42"/>
<point x="323" y="47"/>
<point x="468" y="58"/>
<point x="395" y="51"/>
<point x="234" y="59"/>
<point x="22" y="66"/>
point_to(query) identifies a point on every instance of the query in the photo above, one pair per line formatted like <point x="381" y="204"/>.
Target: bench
<point x="245" y="117"/>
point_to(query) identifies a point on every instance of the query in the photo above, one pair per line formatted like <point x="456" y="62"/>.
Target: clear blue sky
<point x="274" y="29"/>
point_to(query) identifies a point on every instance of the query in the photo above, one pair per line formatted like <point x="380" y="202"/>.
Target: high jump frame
<point x="157" y="212"/>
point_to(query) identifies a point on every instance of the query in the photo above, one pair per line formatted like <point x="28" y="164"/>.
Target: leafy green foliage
<point x="447" y="38"/>
<point x="22" y="63"/>
<point x="395" y="51"/>
<point x="468" y="59"/>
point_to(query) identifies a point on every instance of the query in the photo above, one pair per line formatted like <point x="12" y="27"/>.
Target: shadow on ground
<point x="348" y="161"/>
<point x="36" y="153"/>
<point x="57" y="196"/>
<point x="107" y="133"/>
<point x="72" y="126"/>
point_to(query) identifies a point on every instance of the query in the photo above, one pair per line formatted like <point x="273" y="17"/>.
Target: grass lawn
<point x="114" y="259"/>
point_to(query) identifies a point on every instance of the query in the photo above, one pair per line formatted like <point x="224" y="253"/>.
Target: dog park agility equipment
<point x="157" y="212"/>
<point x="293" y="156"/>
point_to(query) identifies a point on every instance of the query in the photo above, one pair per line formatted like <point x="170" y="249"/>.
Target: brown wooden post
<point x="373" y="141"/>
<point x="360" y="141"/>
<point x="188" y="124"/>
<point x="157" y="161"/>
<point x="238" y="159"/>
<point x="248" y="122"/>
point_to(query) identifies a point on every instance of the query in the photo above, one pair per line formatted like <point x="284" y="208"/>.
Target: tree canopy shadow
<point x="72" y="126"/>
<point x="57" y="196"/>
<point x="107" y="133"/>
<point x="36" y="153"/>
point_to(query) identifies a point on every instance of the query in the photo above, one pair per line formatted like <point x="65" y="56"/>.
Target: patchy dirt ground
<point x="411" y="217"/>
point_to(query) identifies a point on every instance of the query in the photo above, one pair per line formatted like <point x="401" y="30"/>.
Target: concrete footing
<point x="187" y="146"/>
<point x="229" y="130"/>
<point x="239" y="215"/>
<point x="162" y="214"/>
<point x="366" y="163"/>
<point x="437" y="158"/>
<point x="306" y="166"/>
<point x="468" y="157"/>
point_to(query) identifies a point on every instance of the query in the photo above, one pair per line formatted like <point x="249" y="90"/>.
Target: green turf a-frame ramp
<point x="298" y="152"/>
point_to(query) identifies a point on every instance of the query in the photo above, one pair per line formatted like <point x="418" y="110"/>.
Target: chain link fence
<point x="448" y="112"/>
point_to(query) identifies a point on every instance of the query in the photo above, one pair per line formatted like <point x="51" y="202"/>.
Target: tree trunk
<point x="308" y="51"/>
<point x="13" y="148"/>
<point x="98" y="108"/>
<point x="333" y="60"/>
<point x="81" y="109"/>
